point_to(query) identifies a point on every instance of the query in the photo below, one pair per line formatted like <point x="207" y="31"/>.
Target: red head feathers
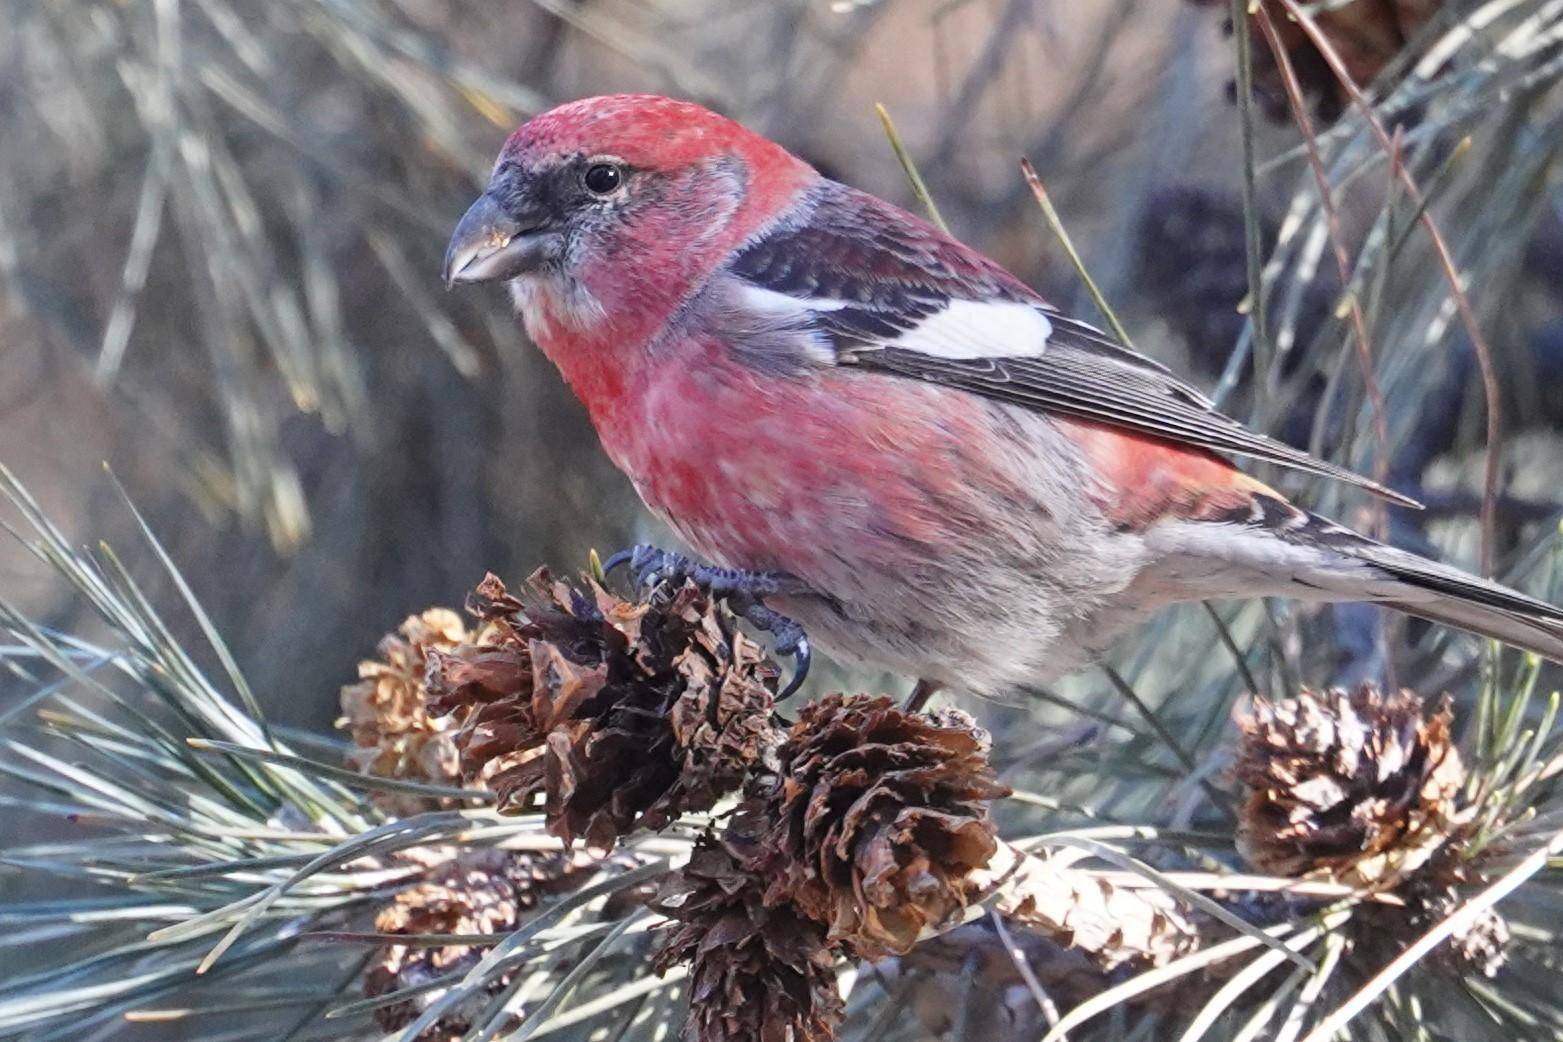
<point x="646" y="131"/>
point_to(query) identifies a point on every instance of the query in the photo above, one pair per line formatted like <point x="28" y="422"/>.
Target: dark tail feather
<point x="1447" y="595"/>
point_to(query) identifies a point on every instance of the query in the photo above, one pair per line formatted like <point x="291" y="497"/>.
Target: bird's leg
<point x="651" y="565"/>
<point x="922" y="691"/>
<point x="743" y="590"/>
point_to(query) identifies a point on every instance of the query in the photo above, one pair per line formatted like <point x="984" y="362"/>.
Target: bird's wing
<point x="870" y="288"/>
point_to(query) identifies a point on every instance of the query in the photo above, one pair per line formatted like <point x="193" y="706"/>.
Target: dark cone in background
<point x="1366" y="34"/>
<point x="881" y="816"/>
<point x="624" y="715"/>
<point x="758" y="973"/>
<point x="1193" y="265"/>
<point x="475" y="892"/>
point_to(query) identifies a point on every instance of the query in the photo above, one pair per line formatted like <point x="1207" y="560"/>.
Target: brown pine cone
<point x="625" y="715"/>
<point x="970" y="972"/>
<point x="387" y="715"/>
<point x="1355" y="786"/>
<point x="881" y="816"/>
<point x="475" y="892"/>
<point x="1366" y="34"/>
<point x="758" y="972"/>
<point x="1366" y="789"/>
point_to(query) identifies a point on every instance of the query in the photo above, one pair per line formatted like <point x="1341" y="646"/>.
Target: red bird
<point x="882" y="432"/>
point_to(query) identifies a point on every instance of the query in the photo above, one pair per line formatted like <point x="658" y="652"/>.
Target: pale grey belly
<point x="984" y="630"/>
<point x="1010" y="576"/>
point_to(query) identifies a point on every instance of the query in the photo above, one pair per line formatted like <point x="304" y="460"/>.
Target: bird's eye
<point x="602" y="178"/>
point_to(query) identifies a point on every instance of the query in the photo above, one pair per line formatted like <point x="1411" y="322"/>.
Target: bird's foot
<point x="787" y="637"/>
<point x="917" y="701"/>
<point x="743" y="590"/>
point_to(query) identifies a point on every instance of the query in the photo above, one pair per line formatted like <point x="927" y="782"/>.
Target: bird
<point x="885" y="443"/>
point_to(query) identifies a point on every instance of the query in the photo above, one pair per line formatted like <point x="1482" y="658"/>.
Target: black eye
<point x="602" y="178"/>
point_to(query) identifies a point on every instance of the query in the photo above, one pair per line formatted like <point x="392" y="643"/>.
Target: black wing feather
<point x="883" y="273"/>
<point x="1041" y="383"/>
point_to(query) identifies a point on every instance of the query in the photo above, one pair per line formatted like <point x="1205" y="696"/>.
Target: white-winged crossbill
<point x="957" y="481"/>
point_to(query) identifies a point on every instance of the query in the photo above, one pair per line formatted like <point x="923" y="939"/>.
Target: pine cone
<point x="387" y="714"/>
<point x="1193" y="262"/>
<point x="1479" y="949"/>
<point x="624" y="715"/>
<point x="881" y="816"/>
<point x="1366" y="34"/>
<point x="758" y="973"/>
<point x="1084" y="911"/>
<point x="1353" y="786"/>
<point x="969" y="972"/>
<point x="475" y="892"/>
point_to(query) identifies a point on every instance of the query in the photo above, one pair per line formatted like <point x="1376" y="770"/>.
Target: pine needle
<point x="1054" y="222"/>
<point x="919" y="188"/>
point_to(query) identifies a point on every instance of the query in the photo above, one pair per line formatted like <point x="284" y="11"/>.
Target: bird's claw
<point x="788" y="638"/>
<point x="650" y="566"/>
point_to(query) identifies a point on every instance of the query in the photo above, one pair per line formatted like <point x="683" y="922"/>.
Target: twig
<point x="1057" y="225"/>
<point x="1252" y="240"/>
<point x="1359" y="324"/>
<point x="1017" y="956"/>
<point x="1230" y="643"/>
<point x="1217" y="797"/>
<point x="1446" y="259"/>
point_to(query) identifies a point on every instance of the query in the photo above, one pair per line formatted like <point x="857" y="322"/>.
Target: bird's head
<point x="629" y="197"/>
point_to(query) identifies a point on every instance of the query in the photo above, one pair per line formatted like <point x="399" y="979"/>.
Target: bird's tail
<point x="1442" y="594"/>
<point x="1417" y="586"/>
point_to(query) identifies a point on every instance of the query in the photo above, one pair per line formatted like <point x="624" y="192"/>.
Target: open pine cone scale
<point x="623" y="715"/>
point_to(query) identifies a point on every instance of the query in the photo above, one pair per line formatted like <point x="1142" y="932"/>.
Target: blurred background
<point x="221" y="225"/>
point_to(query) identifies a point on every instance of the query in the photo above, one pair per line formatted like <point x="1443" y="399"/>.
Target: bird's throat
<point x="571" y="328"/>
